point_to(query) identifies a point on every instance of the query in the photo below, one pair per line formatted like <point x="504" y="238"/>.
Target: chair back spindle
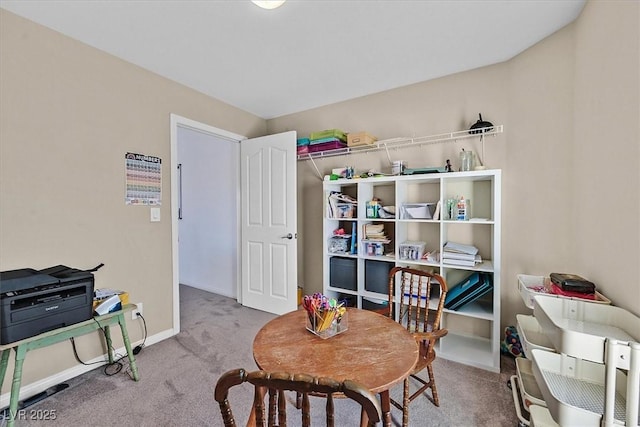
<point x="419" y="303"/>
<point x="275" y="385"/>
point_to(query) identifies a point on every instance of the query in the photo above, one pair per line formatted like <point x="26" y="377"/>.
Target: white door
<point x="269" y="209"/>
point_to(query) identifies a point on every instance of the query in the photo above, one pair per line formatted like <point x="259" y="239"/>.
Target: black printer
<point x="36" y="301"/>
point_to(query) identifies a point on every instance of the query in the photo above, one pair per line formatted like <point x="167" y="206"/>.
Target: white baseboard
<point x="45" y="383"/>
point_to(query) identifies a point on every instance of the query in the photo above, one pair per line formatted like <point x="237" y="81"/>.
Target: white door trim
<point x="176" y="122"/>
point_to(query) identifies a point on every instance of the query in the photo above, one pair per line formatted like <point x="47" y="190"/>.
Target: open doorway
<point x="205" y="205"/>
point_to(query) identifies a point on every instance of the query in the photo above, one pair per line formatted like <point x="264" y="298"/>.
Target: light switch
<point x="155" y="214"/>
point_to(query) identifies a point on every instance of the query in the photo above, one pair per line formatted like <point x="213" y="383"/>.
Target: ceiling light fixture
<point x="268" y="4"/>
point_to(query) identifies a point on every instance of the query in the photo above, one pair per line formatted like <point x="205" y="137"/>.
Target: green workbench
<point x="57" y="335"/>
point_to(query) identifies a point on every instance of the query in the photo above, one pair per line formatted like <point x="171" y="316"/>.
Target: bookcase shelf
<point x="474" y="329"/>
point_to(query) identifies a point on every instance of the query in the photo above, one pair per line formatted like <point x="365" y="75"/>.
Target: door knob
<point x="288" y="236"/>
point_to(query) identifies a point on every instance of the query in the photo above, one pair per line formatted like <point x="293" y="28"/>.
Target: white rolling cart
<point x="527" y="396"/>
<point x="594" y="378"/>
<point x="567" y="342"/>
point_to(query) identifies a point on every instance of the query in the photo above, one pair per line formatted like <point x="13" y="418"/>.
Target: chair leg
<point x="432" y="381"/>
<point x="405" y="403"/>
<point x="298" y="400"/>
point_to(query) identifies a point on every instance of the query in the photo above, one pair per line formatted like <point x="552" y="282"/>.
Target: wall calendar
<point x="143" y="179"/>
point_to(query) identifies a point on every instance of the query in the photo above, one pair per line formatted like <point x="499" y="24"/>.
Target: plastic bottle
<point x="461" y="211"/>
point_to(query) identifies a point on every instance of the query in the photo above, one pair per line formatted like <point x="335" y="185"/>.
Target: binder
<point x="478" y="292"/>
<point x="462" y="289"/>
<point x="468" y="290"/>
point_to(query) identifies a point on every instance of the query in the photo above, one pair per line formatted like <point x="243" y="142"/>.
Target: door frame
<point x="183" y="122"/>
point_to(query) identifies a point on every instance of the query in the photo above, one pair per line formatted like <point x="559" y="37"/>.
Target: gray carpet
<point x="178" y="376"/>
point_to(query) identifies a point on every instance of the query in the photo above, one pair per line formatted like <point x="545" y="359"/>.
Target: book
<point x="374" y="232"/>
<point x="468" y="290"/>
<point x="462" y="288"/>
<point x="461" y="262"/>
<point x="436" y="213"/>
<point x="473" y="296"/>
<point x="459" y="247"/>
<point x="460" y="255"/>
<point x="354" y="243"/>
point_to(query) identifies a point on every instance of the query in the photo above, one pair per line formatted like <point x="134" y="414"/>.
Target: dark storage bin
<point x="376" y="276"/>
<point x="381" y="307"/>
<point x="348" y="300"/>
<point x="343" y="273"/>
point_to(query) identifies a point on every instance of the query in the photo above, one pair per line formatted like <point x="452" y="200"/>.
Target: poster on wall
<point x="143" y="179"/>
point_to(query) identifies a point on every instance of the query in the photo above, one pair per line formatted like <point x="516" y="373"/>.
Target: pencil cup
<point x="328" y="323"/>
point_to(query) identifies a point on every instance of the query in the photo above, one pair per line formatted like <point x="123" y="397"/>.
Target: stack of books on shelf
<point x="374" y="240"/>
<point x="459" y="254"/>
<point x="375" y="232"/>
<point x="474" y="286"/>
<point x="341" y="205"/>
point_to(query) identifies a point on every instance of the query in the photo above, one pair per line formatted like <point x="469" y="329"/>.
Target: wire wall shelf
<point x="395" y="143"/>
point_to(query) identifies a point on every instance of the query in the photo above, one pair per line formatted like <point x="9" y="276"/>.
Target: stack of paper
<point x="460" y="254"/>
<point x="341" y="205"/>
<point x="375" y="232"/>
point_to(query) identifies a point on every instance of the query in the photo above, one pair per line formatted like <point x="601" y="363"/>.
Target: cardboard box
<point x="360" y="138"/>
<point x="102" y="294"/>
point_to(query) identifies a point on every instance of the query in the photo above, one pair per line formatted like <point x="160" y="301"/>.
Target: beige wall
<point x="570" y="153"/>
<point x="68" y="114"/>
<point x="606" y="148"/>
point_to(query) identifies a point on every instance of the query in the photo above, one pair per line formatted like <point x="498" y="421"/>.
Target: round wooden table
<point x="375" y="351"/>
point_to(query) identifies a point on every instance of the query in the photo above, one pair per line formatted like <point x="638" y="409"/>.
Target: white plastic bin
<point x="532" y="335"/>
<point x="411" y="250"/>
<point x="531" y="286"/>
<point x="574" y="391"/>
<point x="529" y="390"/>
<point x="417" y="210"/>
<point x="579" y="328"/>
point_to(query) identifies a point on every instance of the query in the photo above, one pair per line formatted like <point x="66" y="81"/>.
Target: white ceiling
<point x="307" y="53"/>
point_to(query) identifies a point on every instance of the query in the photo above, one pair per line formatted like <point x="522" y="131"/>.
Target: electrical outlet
<point x="136" y="310"/>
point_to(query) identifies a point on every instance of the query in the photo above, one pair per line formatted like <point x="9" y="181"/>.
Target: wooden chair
<point x="277" y="383"/>
<point x="421" y="320"/>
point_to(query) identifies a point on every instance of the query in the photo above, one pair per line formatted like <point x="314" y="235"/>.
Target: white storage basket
<point x="579" y="328"/>
<point x="532" y="335"/>
<point x="531" y="286"/>
<point x="574" y="390"/>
